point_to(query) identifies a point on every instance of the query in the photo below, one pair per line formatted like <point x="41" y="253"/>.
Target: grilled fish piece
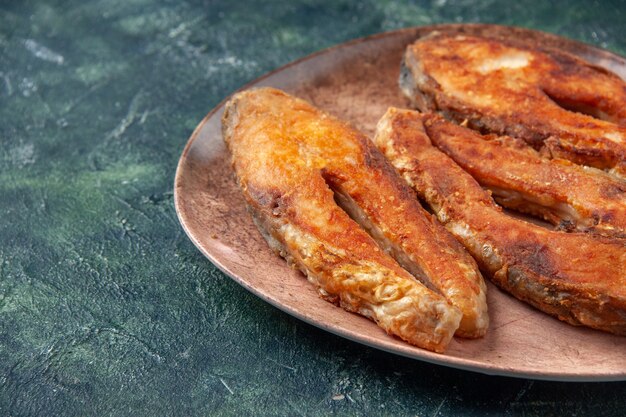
<point x="563" y="193"/>
<point x="294" y="164"/>
<point x="537" y="94"/>
<point x="578" y="277"/>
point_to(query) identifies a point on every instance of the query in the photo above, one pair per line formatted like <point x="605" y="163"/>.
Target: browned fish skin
<point x="291" y="161"/>
<point x="559" y="191"/>
<point x="579" y="278"/>
<point x="506" y="87"/>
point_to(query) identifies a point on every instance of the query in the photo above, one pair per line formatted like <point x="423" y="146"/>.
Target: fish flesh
<point x="571" y="196"/>
<point x="578" y="277"/>
<point x="327" y="201"/>
<point x="556" y="102"/>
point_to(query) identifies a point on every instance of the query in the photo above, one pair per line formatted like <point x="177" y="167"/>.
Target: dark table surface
<point x="106" y="308"/>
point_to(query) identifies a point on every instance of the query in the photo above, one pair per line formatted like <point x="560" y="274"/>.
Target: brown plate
<point x="357" y="81"/>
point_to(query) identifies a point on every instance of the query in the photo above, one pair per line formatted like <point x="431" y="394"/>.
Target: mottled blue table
<point x="106" y="308"/>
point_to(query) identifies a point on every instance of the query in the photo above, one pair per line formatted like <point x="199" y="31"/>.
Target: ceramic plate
<point x="357" y="81"/>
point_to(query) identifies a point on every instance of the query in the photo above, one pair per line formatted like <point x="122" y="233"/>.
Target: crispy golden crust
<point x="537" y="95"/>
<point x="292" y="161"/>
<point x="577" y="277"/>
<point x="561" y="192"/>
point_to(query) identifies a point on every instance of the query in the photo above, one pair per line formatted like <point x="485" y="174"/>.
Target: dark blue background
<point x="106" y="308"/>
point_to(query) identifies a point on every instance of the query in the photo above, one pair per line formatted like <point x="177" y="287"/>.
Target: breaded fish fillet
<point x="563" y="193"/>
<point x="578" y="277"/>
<point x="295" y="164"/>
<point x="556" y="102"/>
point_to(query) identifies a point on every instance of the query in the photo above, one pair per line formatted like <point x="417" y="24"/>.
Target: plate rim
<point x="424" y="355"/>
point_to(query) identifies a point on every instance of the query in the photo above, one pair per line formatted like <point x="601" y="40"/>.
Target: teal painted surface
<point x="106" y="308"/>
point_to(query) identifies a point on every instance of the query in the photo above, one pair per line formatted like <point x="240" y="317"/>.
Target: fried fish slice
<point x="533" y="93"/>
<point x="578" y="277"/>
<point x="559" y="191"/>
<point x="292" y="161"/>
